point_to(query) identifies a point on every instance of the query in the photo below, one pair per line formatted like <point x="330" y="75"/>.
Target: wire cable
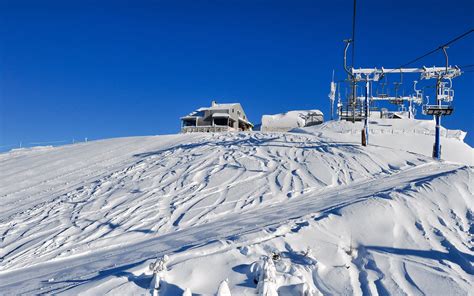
<point x="440" y="47"/>
<point x="435" y="50"/>
<point x="353" y="32"/>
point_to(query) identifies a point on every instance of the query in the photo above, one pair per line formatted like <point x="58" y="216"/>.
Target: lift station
<point x="358" y="107"/>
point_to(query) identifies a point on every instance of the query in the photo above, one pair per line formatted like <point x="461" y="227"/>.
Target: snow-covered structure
<point x="216" y="118"/>
<point x="284" y="122"/>
<point x="387" y="114"/>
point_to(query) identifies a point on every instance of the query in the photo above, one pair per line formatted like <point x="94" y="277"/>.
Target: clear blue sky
<point x="100" y="69"/>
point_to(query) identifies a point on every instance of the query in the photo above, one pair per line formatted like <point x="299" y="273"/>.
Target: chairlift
<point x="445" y="92"/>
<point x="417" y="98"/>
<point x="397" y="101"/>
<point x="382" y="84"/>
<point x="398" y="84"/>
<point x="438" y="110"/>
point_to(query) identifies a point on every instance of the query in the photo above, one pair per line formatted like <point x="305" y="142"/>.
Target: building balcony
<point x="206" y="129"/>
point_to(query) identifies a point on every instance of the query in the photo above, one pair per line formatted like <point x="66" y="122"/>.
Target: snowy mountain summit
<point x="305" y="212"/>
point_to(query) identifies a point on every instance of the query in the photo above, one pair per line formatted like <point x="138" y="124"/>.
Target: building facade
<point x="216" y="118"/>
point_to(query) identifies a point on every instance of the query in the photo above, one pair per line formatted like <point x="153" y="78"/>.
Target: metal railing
<point x="206" y="129"/>
<point x="450" y="134"/>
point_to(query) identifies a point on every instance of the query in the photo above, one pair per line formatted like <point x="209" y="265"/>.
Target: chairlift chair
<point x="382" y="84"/>
<point x="439" y="110"/>
<point x="417" y="97"/>
<point x="396" y="101"/>
<point x="398" y="84"/>
<point x="445" y="93"/>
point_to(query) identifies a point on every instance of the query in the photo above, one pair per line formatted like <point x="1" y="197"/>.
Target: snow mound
<point x="305" y="213"/>
<point x="404" y="134"/>
<point x="286" y="121"/>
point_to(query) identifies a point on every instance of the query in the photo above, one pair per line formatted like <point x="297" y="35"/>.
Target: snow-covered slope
<point x="406" y="135"/>
<point x="89" y="218"/>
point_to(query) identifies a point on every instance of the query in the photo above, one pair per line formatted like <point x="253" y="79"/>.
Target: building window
<point x="220" y="121"/>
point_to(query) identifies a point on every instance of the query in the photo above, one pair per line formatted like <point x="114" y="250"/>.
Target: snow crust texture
<point x="324" y="215"/>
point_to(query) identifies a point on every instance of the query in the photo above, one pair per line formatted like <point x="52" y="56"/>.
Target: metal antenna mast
<point x="332" y="95"/>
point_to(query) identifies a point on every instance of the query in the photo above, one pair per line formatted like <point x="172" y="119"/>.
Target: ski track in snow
<point x="68" y="212"/>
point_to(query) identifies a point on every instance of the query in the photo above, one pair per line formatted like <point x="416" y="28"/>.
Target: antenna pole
<point x="338" y="101"/>
<point x="332" y="109"/>
<point x="332" y="99"/>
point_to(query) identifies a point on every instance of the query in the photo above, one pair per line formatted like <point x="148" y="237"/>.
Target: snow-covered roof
<point x="245" y="121"/>
<point x="195" y="114"/>
<point x="222" y="106"/>
<point x="189" y="117"/>
<point x="216" y="106"/>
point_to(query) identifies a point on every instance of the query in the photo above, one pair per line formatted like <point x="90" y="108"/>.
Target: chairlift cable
<point x="440" y="47"/>
<point x="436" y="49"/>
<point x="353" y="32"/>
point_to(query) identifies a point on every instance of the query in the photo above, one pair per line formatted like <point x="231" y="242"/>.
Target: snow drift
<point x="318" y="212"/>
<point x="289" y="120"/>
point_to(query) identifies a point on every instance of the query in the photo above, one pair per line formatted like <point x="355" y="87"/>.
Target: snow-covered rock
<point x="223" y="289"/>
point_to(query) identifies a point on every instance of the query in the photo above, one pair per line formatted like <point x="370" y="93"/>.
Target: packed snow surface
<point x="308" y="211"/>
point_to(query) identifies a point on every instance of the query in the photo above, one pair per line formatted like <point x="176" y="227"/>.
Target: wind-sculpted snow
<point x="88" y="217"/>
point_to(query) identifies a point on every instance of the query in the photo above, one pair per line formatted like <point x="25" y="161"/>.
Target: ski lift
<point x="398" y="84"/>
<point x="396" y="101"/>
<point x="444" y="94"/>
<point x="382" y="84"/>
<point x="438" y="110"/>
<point x="417" y="98"/>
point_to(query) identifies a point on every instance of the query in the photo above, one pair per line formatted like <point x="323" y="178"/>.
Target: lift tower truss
<point x="444" y="93"/>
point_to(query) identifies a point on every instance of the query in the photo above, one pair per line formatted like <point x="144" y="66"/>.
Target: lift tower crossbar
<point x="376" y="74"/>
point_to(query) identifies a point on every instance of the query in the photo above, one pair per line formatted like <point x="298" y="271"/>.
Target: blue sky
<point x="100" y="69"/>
